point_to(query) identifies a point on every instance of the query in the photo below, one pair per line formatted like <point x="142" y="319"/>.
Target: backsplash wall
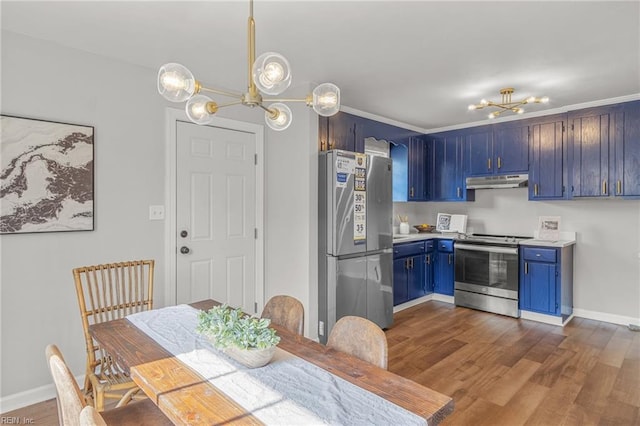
<point x="607" y="254"/>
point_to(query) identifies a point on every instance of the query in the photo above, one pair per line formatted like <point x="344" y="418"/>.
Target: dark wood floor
<point x="505" y="371"/>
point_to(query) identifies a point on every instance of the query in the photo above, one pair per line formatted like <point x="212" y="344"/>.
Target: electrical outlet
<point x="156" y="212"/>
<point x="321" y="328"/>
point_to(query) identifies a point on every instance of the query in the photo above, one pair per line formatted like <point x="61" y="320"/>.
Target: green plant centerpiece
<point x="247" y="339"/>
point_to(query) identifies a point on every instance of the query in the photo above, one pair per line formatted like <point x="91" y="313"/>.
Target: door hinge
<point x="255" y="159"/>
<point x="572" y="128"/>
<point x="255" y="307"/>
<point x="563" y="130"/>
<point x="255" y="233"/>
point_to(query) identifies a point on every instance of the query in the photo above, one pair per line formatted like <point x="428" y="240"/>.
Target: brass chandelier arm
<point x="274" y="112"/>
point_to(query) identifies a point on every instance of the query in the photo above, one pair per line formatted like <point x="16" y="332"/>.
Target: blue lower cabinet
<point x="444" y="267"/>
<point x="400" y="280"/>
<point x="416" y="280"/>
<point x="546" y="280"/>
<point x="409" y="268"/>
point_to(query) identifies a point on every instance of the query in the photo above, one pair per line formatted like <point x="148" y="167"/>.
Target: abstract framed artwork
<point x="46" y="182"/>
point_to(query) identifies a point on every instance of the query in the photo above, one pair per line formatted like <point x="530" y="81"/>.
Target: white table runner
<point x="287" y="391"/>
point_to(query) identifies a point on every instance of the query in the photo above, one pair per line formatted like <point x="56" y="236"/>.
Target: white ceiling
<point x="418" y="62"/>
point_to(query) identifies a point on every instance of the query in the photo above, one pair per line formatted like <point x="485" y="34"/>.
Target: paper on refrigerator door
<point x="360" y="199"/>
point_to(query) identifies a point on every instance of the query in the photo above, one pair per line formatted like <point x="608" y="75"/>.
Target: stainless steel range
<point x="486" y="273"/>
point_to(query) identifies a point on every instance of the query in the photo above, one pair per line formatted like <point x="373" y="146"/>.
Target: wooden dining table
<point x="187" y="398"/>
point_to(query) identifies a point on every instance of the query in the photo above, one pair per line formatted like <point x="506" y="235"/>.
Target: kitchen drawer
<point x="539" y="254"/>
<point x="408" y="249"/>
<point x="428" y="245"/>
<point x="445" y="246"/>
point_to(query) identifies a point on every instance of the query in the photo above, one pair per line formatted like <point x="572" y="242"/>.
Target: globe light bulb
<point x="175" y="82"/>
<point x="520" y="111"/>
<point x="544" y="99"/>
<point x="326" y="99"/>
<point x="484" y="102"/>
<point x="531" y="99"/>
<point x="493" y="115"/>
<point x="280" y="119"/>
<point x="271" y="73"/>
<point x="472" y="107"/>
<point x="200" y="109"/>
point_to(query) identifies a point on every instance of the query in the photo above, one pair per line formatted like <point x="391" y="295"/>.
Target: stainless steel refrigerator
<point x="355" y="234"/>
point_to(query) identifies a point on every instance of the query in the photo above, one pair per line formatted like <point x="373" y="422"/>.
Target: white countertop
<point x="566" y="239"/>
<point x="414" y="236"/>
<point x="546" y="243"/>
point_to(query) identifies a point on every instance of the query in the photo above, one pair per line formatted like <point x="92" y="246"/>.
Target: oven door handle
<point x="490" y="249"/>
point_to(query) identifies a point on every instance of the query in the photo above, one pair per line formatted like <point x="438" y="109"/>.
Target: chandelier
<point x="507" y="104"/>
<point x="269" y="74"/>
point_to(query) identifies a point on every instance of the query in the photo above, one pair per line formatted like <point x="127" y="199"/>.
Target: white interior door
<point x="215" y="215"/>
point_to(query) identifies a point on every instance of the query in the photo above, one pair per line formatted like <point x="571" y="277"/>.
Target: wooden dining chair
<point x="107" y="292"/>
<point x="361" y="338"/>
<point x="71" y="401"/>
<point x="285" y="311"/>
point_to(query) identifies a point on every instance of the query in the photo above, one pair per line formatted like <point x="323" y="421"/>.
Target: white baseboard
<point x="23" y="399"/>
<point x="29" y="397"/>
<point x="443" y="298"/>
<point x="547" y="319"/>
<point x="411" y="303"/>
<point x="603" y="316"/>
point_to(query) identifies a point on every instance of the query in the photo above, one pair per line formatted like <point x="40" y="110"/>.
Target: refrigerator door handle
<point x="377" y="273"/>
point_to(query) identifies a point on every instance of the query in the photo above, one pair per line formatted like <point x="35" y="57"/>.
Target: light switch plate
<point x="156" y="212"/>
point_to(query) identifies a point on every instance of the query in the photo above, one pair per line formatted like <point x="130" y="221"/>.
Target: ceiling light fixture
<point x="269" y="74"/>
<point x="507" y="104"/>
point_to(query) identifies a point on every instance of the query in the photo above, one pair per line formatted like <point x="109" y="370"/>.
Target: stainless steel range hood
<point x="492" y="182"/>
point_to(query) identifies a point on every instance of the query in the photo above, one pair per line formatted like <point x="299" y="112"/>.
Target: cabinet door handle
<point x="449" y="259"/>
<point x="411" y="263"/>
<point x="535" y="189"/>
<point x="499" y="162"/>
<point x="406" y="264"/>
<point x="619" y="187"/>
<point x="427" y="259"/>
<point x="526" y="267"/>
<point x="488" y="163"/>
<point x="459" y="191"/>
<point x="604" y="187"/>
<point x="411" y="192"/>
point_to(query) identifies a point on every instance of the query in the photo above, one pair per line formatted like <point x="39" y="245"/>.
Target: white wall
<point x="606" y="256"/>
<point x="37" y="296"/>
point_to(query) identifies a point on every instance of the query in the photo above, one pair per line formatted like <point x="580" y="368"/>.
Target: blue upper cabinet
<point x="591" y="134"/>
<point x="547" y="150"/>
<point x="626" y="173"/>
<point x="478" y="150"/>
<point x="449" y="168"/>
<point x="418" y="169"/>
<point x="497" y="149"/>
<point x="346" y="131"/>
<point x="604" y="151"/>
<point x="511" y="148"/>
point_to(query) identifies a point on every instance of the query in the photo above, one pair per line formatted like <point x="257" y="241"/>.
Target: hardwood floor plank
<point x="626" y="388"/>
<point x="596" y="389"/>
<point x="523" y="404"/>
<point x="618" y="413"/>
<point x="613" y="354"/>
<point x="555" y="406"/>
<point x="509" y="384"/>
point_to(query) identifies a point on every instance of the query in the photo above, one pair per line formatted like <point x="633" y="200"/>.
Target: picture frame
<point x="47" y="176"/>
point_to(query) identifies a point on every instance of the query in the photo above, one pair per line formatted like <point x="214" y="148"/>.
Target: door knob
<point x="184" y="233"/>
<point x="184" y="250"/>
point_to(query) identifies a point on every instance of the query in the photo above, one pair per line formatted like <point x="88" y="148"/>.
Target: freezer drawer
<point x="360" y="286"/>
